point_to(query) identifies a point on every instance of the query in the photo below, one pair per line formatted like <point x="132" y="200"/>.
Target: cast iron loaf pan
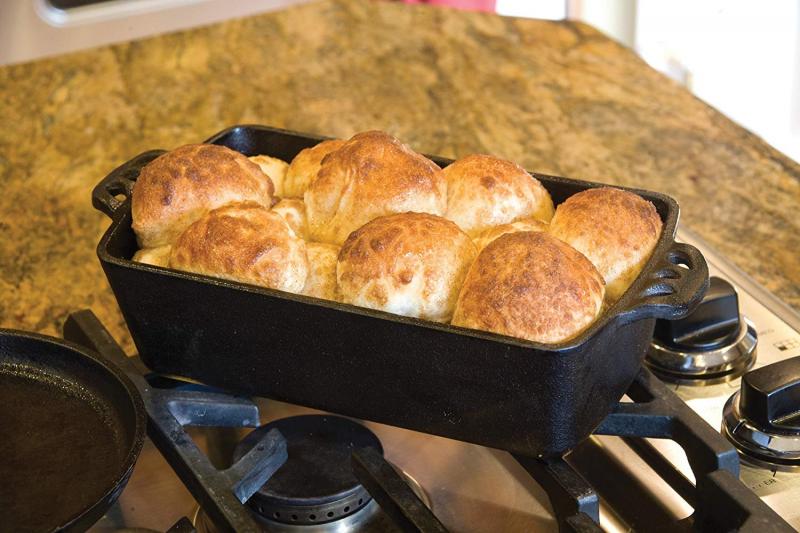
<point x="525" y="397"/>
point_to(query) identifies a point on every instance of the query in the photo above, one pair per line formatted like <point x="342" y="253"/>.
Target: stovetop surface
<point x="473" y="488"/>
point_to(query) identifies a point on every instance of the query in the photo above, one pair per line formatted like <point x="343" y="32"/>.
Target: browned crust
<point x="243" y="242"/>
<point x="532" y="286"/>
<point x="408" y="263"/>
<point x="305" y="165"/>
<point x="617" y="230"/>
<point x="371" y="175"/>
<point x="485" y="191"/>
<point x="180" y="186"/>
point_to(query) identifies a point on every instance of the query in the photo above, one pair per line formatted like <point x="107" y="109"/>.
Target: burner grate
<point x="222" y="494"/>
<point x="721" y="502"/>
<point x="574" y="482"/>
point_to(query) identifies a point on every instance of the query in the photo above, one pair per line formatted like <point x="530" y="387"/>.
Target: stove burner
<point x="762" y="419"/>
<point x="714" y="344"/>
<point x="316" y="484"/>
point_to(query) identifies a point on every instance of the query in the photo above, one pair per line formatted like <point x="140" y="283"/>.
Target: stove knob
<point x="714" y="323"/>
<point x="763" y="419"/>
<point x="712" y="344"/>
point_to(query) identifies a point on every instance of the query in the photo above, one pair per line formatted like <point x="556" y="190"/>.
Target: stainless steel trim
<point x="104" y="12"/>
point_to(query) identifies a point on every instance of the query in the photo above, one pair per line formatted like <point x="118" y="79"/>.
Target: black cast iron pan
<point x="528" y="398"/>
<point x="71" y="429"/>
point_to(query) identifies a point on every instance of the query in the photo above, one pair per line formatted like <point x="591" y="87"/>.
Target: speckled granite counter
<point x="557" y="97"/>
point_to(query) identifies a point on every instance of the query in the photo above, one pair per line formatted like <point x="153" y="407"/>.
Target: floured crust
<point x="179" y="187"/>
<point x="532" y="286"/>
<point x="321" y="280"/>
<point x="371" y="175"/>
<point x="304" y="167"/>
<point x="485" y="191"/>
<point x="528" y="224"/>
<point x="243" y="242"/>
<point x="293" y="211"/>
<point x="617" y="230"/>
<point x="274" y="168"/>
<point x="153" y="256"/>
<point x="410" y="264"/>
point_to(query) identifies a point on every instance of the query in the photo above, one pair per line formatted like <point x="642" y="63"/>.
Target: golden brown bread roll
<point x="528" y="224"/>
<point x="371" y="175"/>
<point x="179" y="187"/>
<point x="274" y="168"/>
<point x="321" y="280"/>
<point x="411" y="264"/>
<point x="617" y="230"/>
<point x="293" y="211"/>
<point x="154" y="256"/>
<point x="243" y="242"/>
<point x="304" y="167"/>
<point x="532" y="286"/>
<point x="485" y="191"/>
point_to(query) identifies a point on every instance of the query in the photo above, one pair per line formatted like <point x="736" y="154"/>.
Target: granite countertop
<point x="557" y="97"/>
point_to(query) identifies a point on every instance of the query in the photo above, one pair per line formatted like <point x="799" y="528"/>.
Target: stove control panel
<point x="777" y="328"/>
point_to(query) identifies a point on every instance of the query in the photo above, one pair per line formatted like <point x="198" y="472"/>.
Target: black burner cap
<point x="316" y="484"/>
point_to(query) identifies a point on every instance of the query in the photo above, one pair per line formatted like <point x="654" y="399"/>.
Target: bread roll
<point x="371" y="175"/>
<point x="154" y="256"/>
<point x="617" y="230"/>
<point x="411" y="264"/>
<point x="274" y="168"/>
<point x="293" y="211"/>
<point x="179" y="187"/>
<point x="243" y="242"/>
<point x="532" y="286"/>
<point x="528" y="224"/>
<point x="485" y="191"/>
<point x="321" y="280"/>
<point x="304" y="167"/>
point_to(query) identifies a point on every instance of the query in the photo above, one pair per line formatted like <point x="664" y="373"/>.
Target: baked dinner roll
<point x="321" y="280"/>
<point x="154" y="256"/>
<point x="411" y="264"/>
<point x="293" y="211"/>
<point x="485" y="191"/>
<point x="304" y="167"/>
<point x="274" y="168"/>
<point x="371" y="175"/>
<point x="179" y="187"/>
<point x="243" y="242"/>
<point x="528" y="224"/>
<point x="532" y="286"/>
<point x="617" y="230"/>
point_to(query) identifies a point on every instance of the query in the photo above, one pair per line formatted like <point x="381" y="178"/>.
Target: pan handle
<point x="673" y="287"/>
<point x="120" y="182"/>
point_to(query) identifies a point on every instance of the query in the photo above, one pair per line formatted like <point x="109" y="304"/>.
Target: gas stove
<point x="323" y="486"/>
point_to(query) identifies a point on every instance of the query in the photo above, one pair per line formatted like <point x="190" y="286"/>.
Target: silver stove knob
<point x="762" y="419"/>
<point x="713" y="344"/>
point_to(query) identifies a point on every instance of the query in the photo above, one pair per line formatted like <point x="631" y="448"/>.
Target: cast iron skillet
<point x="525" y="397"/>
<point x="71" y="427"/>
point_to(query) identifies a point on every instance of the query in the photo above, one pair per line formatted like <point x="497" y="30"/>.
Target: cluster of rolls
<point x="372" y="223"/>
